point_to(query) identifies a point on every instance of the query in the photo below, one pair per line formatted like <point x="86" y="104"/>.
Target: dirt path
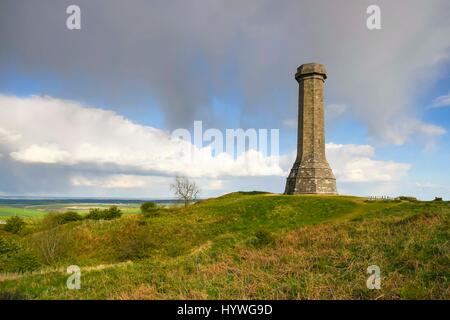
<point x="363" y="208"/>
<point x="14" y="276"/>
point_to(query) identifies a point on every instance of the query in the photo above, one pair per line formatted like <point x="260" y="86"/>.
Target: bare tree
<point x="185" y="189"/>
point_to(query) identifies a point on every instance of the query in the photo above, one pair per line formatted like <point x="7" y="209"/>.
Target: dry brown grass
<point x="330" y="262"/>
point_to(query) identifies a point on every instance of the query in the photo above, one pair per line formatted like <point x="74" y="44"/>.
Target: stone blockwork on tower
<point x="311" y="172"/>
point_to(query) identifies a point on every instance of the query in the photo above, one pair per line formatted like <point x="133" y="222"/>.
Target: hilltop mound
<point x="250" y="245"/>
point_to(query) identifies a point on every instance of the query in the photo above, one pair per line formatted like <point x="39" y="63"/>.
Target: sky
<point x="90" y="112"/>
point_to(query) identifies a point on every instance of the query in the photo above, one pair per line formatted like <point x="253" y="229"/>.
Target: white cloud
<point x="441" y="101"/>
<point x="55" y="131"/>
<point x="216" y="185"/>
<point x="430" y="129"/>
<point x="335" y="110"/>
<point x="401" y="132"/>
<point x="113" y="181"/>
<point x="290" y="123"/>
<point x="425" y="185"/>
<point x="7" y="136"/>
<point x="81" y="181"/>
<point x="120" y="154"/>
<point x="46" y="153"/>
<point x="355" y="163"/>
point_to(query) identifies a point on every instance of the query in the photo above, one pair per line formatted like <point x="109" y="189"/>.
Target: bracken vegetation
<point x="239" y="246"/>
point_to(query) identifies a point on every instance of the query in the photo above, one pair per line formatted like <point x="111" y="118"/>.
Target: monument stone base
<point x="313" y="177"/>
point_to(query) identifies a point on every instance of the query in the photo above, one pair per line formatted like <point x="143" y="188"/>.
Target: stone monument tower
<point x="311" y="172"/>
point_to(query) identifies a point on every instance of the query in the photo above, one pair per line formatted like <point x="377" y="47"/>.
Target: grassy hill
<point x="240" y="246"/>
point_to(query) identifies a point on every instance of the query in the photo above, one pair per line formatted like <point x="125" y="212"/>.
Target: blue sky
<point x="150" y="64"/>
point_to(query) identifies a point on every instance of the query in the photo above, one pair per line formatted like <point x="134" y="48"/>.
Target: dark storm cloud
<point x="184" y="53"/>
<point x="25" y="179"/>
<point x="177" y="51"/>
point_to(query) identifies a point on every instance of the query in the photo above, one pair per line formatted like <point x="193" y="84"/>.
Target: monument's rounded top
<point x="311" y="68"/>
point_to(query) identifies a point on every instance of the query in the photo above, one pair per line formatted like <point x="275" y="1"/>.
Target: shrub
<point x="112" y="213"/>
<point x="22" y="261"/>
<point x="95" y="214"/>
<point x="13" y="294"/>
<point x="105" y="214"/>
<point x="68" y="216"/>
<point x="133" y="241"/>
<point x="410" y="199"/>
<point x="7" y="245"/>
<point x="261" y="238"/>
<point x="51" y="245"/>
<point x="437" y="199"/>
<point x="14" y="258"/>
<point x="55" y="219"/>
<point x="149" y="209"/>
<point x="14" y="224"/>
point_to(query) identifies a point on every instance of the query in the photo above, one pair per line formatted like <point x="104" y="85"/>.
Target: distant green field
<point x="21" y="212"/>
<point x="41" y="210"/>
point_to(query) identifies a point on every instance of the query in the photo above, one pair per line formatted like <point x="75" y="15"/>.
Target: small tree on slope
<point x="185" y="189"/>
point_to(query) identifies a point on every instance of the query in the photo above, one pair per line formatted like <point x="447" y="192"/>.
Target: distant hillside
<point x="242" y="246"/>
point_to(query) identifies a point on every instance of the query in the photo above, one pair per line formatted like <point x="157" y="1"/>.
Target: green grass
<point x="41" y="210"/>
<point x="21" y="212"/>
<point x="252" y="246"/>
